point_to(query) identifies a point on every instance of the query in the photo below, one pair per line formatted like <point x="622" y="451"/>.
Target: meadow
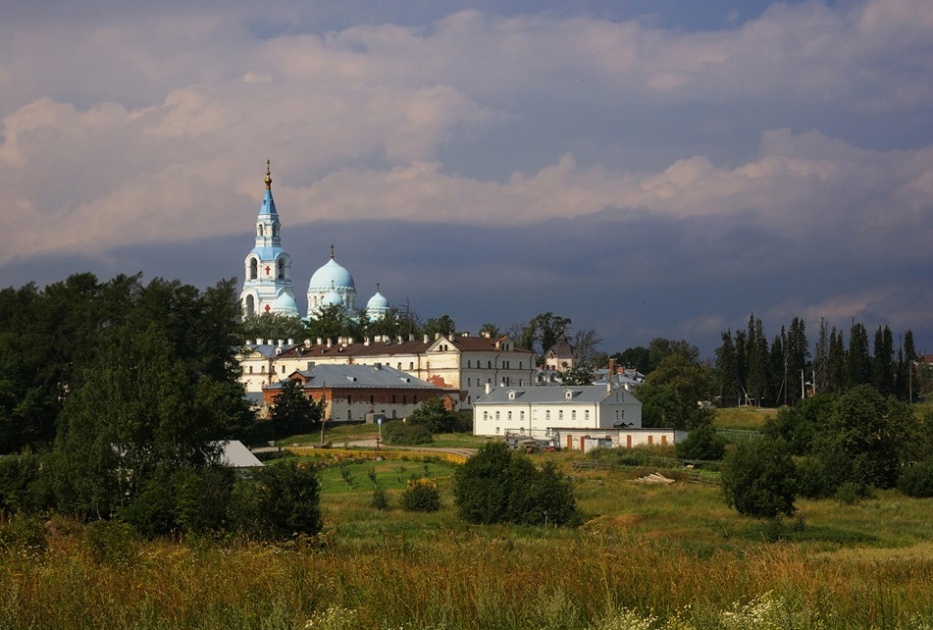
<point x="646" y="556"/>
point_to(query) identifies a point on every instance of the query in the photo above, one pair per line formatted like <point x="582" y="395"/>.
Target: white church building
<point x="268" y="286"/>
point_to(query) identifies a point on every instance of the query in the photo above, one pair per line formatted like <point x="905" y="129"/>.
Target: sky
<point x="644" y="167"/>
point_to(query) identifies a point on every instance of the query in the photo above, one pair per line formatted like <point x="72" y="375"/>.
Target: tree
<point x="673" y="394"/>
<point x="860" y="441"/>
<point x="585" y="344"/>
<point x="727" y="372"/>
<point x="273" y="326"/>
<point x="660" y="348"/>
<point x="442" y="325"/>
<point x="157" y="394"/>
<point x="579" y="374"/>
<point x="858" y="362"/>
<point x="636" y="357"/>
<point x="759" y="478"/>
<point x="293" y="411"/>
<point x="434" y="415"/>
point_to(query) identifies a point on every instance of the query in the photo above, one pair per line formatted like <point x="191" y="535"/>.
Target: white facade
<point x="459" y="362"/>
<point x="267" y="287"/>
<point x="539" y="411"/>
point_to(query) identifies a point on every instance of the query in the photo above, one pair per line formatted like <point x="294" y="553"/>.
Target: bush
<point x="277" y="502"/>
<point x="917" y="480"/>
<point x="421" y="495"/>
<point x="111" y="541"/>
<point x="20" y="477"/>
<point x="758" y="478"/>
<point x="399" y="433"/>
<point x="500" y="486"/>
<point x="703" y="443"/>
<point x="379" y="501"/>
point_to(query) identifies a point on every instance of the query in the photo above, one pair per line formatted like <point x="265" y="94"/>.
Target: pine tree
<point x="821" y="360"/>
<point x="727" y="371"/>
<point x="858" y="361"/>
<point x="837" y="362"/>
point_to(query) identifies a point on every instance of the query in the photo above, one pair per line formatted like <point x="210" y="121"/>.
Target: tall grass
<point x="647" y="557"/>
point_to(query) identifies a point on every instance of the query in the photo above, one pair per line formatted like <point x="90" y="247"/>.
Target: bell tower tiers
<point x="268" y="271"/>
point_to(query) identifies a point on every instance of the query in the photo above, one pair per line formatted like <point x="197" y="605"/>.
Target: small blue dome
<point x="285" y="304"/>
<point x="377" y="301"/>
<point x="332" y="299"/>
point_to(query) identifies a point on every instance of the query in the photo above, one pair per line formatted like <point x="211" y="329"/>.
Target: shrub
<point x="758" y="478"/>
<point x="202" y="497"/>
<point x="277" y="502"/>
<point x="703" y="443"/>
<point x="499" y="486"/>
<point x="421" y="495"/>
<point x="379" y="501"/>
<point x="917" y="480"/>
<point x="111" y="541"/>
<point x="399" y="433"/>
<point x="152" y="511"/>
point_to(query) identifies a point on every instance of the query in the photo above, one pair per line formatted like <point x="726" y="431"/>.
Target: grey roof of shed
<point x="235" y="455"/>
<point x="360" y="377"/>
<point x="588" y="394"/>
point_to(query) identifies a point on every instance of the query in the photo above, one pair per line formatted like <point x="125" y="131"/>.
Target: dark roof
<point x="341" y="376"/>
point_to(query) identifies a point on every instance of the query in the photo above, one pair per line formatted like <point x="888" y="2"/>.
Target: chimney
<point x="291" y="342"/>
<point x="427" y="339"/>
<point x="437" y="335"/>
<point x="488" y="387"/>
<point x="307" y="343"/>
<point x="259" y="342"/>
<point x="349" y="341"/>
<point x="411" y="337"/>
<point x="365" y="341"/>
<point x="319" y="341"/>
<point x="328" y="342"/>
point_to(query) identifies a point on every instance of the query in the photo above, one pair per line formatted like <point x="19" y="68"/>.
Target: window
<point x="497" y="416"/>
<point x="251" y="369"/>
<point x="254" y="267"/>
<point x="573" y="415"/>
<point x="522" y="416"/>
<point x="586" y="415"/>
<point x="411" y="365"/>
<point x="469" y="382"/>
<point x="283" y="369"/>
<point x="372" y="399"/>
<point x="405" y="399"/>
<point x="560" y="415"/>
<point x="510" y="416"/>
<point x="349" y="399"/>
<point x="281" y="268"/>
<point x="262" y="369"/>
<point x="485" y="415"/>
<point x="489" y="365"/>
<point x="469" y="363"/>
<point x="414" y="399"/>
<point x="547" y="415"/>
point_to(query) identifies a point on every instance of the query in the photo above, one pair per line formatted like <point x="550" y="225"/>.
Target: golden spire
<point x="332" y="251"/>
<point x="268" y="175"/>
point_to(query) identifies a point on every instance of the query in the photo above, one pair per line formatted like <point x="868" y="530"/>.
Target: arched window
<point x="250" y="305"/>
<point x="281" y="268"/>
<point x="253" y="268"/>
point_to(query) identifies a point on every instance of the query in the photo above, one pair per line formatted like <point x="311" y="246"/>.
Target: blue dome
<point x="331" y="276"/>
<point x="332" y="299"/>
<point x="285" y="304"/>
<point x="377" y="301"/>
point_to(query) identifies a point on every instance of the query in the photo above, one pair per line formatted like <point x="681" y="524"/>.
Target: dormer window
<point x="568" y="395"/>
<point x="511" y="394"/>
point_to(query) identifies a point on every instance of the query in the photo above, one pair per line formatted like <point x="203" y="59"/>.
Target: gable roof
<point x="588" y="394"/>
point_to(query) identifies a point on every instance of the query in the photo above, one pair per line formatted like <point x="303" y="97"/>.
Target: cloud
<point x="795" y="137"/>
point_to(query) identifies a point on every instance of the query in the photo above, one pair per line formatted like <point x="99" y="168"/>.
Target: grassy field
<point x="647" y="556"/>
